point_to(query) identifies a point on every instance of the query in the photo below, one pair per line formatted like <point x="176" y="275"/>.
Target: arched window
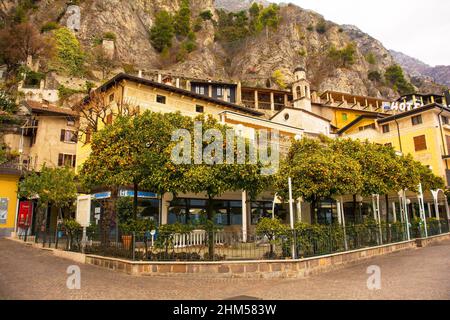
<point x="299" y="92"/>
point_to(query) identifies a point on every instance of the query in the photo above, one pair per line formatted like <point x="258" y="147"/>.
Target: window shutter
<point x="63" y="135"/>
<point x="448" y="144"/>
<point x="60" y="160"/>
<point x="420" y="143"/>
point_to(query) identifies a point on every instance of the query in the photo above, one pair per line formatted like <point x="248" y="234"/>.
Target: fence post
<point x="83" y="240"/>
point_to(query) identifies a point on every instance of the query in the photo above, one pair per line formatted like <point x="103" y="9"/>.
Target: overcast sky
<point x="420" y="29"/>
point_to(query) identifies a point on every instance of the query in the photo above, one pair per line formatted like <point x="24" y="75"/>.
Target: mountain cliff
<point x="260" y="48"/>
<point x="417" y="68"/>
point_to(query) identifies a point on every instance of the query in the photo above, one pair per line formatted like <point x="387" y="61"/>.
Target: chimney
<point x="159" y="78"/>
<point x="140" y="74"/>
<point x="177" y="82"/>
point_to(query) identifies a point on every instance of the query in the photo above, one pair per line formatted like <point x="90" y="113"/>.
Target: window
<point x="447" y="138"/>
<point x="200" y="90"/>
<point x="161" y="99"/>
<point x="416" y="120"/>
<point x="344" y="117"/>
<point x="199" y="109"/>
<point x="386" y="128"/>
<point x="109" y="118"/>
<point x="388" y="145"/>
<point x="88" y="136"/>
<point x="420" y="143"/>
<point x="219" y="92"/>
<point x="70" y="122"/>
<point x="444" y="120"/>
<point x="68" y="136"/>
<point x="370" y="126"/>
<point x="286" y="116"/>
<point x="67" y="160"/>
<point x="111" y="97"/>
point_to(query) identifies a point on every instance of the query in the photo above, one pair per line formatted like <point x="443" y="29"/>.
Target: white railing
<point x="196" y="238"/>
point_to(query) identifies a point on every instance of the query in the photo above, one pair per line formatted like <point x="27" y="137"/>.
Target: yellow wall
<point x="432" y="156"/>
<point x="338" y="120"/>
<point x="8" y="190"/>
<point x="362" y="123"/>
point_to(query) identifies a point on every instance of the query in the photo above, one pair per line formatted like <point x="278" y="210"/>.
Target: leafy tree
<point x="273" y="229"/>
<point x="70" y="57"/>
<point x="317" y="172"/>
<point x="55" y="187"/>
<point x="132" y="151"/>
<point x="215" y="177"/>
<point x="395" y="77"/>
<point x="182" y="19"/>
<point x="162" y="32"/>
<point x="20" y="41"/>
<point x="103" y="61"/>
<point x="49" y="26"/>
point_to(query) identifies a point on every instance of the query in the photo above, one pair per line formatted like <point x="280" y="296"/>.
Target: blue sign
<point x="141" y="194"/>
<point x="102" y="195"/>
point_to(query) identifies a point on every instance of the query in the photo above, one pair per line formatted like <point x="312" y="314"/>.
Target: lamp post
<point x="291" y="216"/>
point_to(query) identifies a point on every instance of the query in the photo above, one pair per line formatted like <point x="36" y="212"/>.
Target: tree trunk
<point x="110" y="208"/>
<point x="135" y="200"/>
<point x="210" y="215"/>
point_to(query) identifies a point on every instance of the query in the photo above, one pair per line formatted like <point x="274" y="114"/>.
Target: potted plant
<point x="127" y="234"/>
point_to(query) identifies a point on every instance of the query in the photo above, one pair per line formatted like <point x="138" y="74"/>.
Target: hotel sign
<point x="402" y="106"/>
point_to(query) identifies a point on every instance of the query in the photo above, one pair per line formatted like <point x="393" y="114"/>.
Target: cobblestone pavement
<point x="29" y="273"/>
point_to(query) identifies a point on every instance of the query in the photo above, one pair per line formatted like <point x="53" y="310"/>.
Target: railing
<point x="229" y="246"/>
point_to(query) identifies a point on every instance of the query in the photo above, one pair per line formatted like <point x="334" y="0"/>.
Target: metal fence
<point x="200" y="245"/>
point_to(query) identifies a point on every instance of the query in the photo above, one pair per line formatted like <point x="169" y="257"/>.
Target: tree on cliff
<point x="162" y="32"/>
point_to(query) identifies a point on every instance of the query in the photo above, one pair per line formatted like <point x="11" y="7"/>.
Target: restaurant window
<point x="68" y="136"/>
<point x="416" y="120"/>
<point x="161" y="99"/>
<point x="344" y="117"/>
<point x="199" y="109"/>
<point x="420" y="143"/>
<point x="386" y="128"/>
<point x="67" y="160"/>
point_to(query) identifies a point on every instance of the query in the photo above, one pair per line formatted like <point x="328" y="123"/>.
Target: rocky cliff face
<point x="238" y="5"/>
<point x="421" y="70"/>
<point x="303" y="38"/>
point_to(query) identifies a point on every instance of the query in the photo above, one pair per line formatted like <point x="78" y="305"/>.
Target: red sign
<point x="25" y="214"/>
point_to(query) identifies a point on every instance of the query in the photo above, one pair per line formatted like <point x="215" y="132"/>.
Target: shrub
<point x="371" y="59"/>
<point x="278" y="78"/>
<point x="374" y="76"/>
<point x="109" y="36"/>
<point x="343" y="57"/>
<point x="206" y="15"/>
<point x="50" y="26"/>
<point x="64" y="93"/>
<point x="321" y="27"/>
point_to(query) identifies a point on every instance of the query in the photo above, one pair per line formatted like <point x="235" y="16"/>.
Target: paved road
<point x="28" y="273"/>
